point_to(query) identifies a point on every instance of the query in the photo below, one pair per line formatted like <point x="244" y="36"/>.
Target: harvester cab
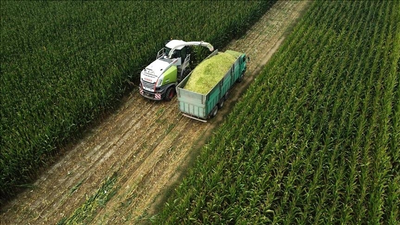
<point x="159" y="79"/>
<point x="178" y="53"/>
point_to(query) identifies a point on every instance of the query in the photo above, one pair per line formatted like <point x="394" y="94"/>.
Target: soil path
<point x="146" y="144"/>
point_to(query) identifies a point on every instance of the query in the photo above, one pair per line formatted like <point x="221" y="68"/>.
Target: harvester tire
<point x="170" y="93"/>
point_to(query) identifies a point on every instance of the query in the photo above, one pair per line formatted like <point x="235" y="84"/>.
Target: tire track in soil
<point x="145" y="142"/>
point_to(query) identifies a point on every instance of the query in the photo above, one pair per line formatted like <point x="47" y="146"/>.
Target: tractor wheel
<point x="170" y="93"/>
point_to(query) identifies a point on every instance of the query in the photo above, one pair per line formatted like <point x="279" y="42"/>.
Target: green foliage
<point x="315" y="139"/>
<point x="63" y="63"/>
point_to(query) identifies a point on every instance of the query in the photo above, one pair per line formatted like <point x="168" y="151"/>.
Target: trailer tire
<point x="221" y="102"/>
<point x="240" y="79"/>
<point x="226" y="95"/>
<point x="214" y="112"/>
<point x="170" y="93"/>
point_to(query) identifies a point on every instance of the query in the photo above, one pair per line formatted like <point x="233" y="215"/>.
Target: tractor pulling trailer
<point x="170" y="72"/>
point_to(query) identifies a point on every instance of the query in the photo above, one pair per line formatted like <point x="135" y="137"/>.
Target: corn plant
<point x="315" y="139"/>
<point x="65" y="63"/>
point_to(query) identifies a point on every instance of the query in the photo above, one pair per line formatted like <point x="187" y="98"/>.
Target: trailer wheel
<point x="226" y="95"/>
<point x="170" y="93"/>
<point x="214" y="112"/>
<point x="240" y="79"/>
<point x="221" y="103"/>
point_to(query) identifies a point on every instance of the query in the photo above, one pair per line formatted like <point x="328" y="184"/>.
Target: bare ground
<point x="147" y="144"/>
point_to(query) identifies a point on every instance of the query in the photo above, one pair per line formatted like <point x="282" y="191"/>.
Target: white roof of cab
<point x="171" y="44"/>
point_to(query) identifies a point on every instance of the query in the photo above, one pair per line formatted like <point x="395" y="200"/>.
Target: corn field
<point x="65" y="63"/>
<point x="316" y="137"/>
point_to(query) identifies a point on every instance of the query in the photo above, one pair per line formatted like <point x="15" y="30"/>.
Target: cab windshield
<point x="176" y="53"/>
<point x="166" y="51"/>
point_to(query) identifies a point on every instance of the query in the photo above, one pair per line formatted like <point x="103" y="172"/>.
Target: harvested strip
<point x="208" y="73"/>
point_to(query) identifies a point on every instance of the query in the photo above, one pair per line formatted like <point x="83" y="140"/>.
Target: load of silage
<point x="234" y="53"/>
<point x="208" y="73"/>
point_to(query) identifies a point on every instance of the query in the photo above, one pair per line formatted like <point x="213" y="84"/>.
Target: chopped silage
<point x="208" y="73"/>
<point x="234" y="53"/>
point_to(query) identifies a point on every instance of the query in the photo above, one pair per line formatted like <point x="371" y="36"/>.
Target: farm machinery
<point x="159" y="79"/>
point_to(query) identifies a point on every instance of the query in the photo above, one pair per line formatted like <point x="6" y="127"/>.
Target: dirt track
<point x="145" y="143"/>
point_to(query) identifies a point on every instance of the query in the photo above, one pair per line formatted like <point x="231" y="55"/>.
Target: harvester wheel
<point x="170" y="93"/>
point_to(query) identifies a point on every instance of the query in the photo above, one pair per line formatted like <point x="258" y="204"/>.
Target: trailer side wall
<point x="201" y="106"/>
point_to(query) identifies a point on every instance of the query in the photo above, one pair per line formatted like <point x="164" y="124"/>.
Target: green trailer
<point x="203" y="106"/>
